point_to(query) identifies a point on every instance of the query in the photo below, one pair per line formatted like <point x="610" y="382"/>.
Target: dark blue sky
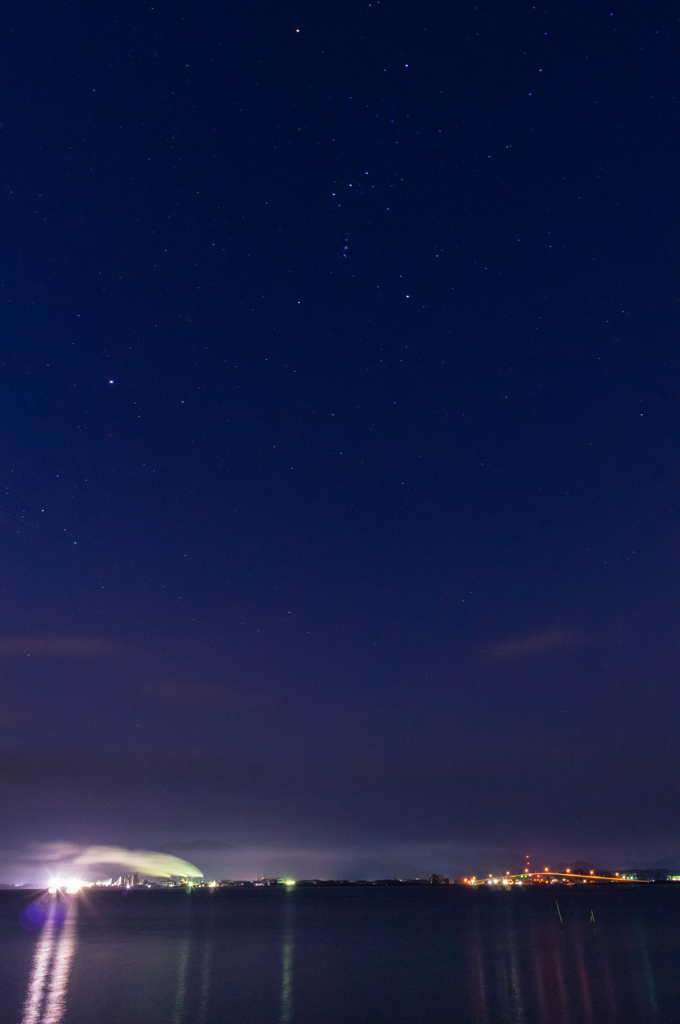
<point x="339" y="405"/>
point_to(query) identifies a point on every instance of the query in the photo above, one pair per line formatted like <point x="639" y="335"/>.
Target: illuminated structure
<point x="547" y="877"/>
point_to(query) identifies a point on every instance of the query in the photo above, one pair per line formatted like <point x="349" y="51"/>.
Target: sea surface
<point x="436" y="955"/>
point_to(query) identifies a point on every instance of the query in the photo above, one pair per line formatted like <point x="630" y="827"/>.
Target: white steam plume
<point x="146" y="862"/>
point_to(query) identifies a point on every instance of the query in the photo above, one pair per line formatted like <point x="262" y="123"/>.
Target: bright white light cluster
<point x="67" y="883"/>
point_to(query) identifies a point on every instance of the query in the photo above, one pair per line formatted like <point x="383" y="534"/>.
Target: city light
<point x="66" y="883"/>
<point x="547" y="877"/>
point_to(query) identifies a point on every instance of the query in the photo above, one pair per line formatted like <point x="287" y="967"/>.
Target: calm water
<point x="343" y="956"/>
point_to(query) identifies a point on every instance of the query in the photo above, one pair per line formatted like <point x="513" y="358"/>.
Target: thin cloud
<point x="11" y="717"/>
<point x="369" y="861"/>
<point x="52" y="852"/>
<point x="221" y="860"/>
<point x="61" y="645"/>
<point x="180" y="692"/>
<point x="80" y="768"/>
<point x="198" y="845"/>
<point x="535" y="643"/>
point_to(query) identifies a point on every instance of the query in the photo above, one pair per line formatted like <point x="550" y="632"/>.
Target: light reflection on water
<point x="370" y="956"/>
<point x="180" y="992"/>
<point x="287" y="964"/>
<point x="206" y="965"/>
<point x="46" y="996"/>
<point x="526" y="968"/>
<point x="194" y="963"/>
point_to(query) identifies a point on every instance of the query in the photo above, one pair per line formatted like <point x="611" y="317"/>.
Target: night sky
<point x="339" y="417"/>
